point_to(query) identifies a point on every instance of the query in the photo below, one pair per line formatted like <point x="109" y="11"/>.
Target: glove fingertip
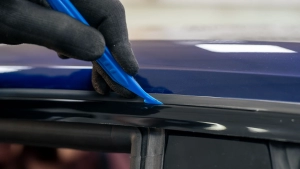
<point x="125" y="57"/>
<point x="99" y="84"/>
<point x="120" y="90"/>
<point x="62" y="56"/>
<point x="133" y="70"/>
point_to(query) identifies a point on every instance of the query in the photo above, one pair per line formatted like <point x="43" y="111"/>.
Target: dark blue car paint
<point x="171" y="67"/>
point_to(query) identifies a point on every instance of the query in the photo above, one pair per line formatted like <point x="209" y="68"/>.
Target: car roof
<point x="170" y="67"/>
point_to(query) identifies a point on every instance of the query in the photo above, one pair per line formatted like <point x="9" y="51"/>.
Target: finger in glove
<point x="112" y="84"/>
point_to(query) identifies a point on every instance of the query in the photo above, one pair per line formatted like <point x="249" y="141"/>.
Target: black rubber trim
<point x="153" y="146"/>
<point x="105" y="138"/>
<point x="167" y="99"/>
<point x="219" y="116"/>
<point x="154" y="157"/>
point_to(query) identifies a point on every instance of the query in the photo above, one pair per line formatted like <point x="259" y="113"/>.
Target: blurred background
<point x="267" y="20"/>
<point x="16" y="156"/>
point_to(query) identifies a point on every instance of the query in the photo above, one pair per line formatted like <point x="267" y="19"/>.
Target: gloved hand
<point x="33" y="22"/>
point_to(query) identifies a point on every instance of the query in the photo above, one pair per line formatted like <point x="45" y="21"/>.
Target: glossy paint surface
<point x="169" y="67"/>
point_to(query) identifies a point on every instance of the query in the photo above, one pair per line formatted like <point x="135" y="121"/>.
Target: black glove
<point x="33" y="22"/>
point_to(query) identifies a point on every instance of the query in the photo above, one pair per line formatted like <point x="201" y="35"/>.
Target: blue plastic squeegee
<point x="106" y="61"/>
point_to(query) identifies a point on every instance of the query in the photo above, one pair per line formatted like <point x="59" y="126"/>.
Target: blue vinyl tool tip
<point x="106" y="61"/>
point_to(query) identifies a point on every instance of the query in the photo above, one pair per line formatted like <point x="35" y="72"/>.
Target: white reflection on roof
<point x="244" y="48"/>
